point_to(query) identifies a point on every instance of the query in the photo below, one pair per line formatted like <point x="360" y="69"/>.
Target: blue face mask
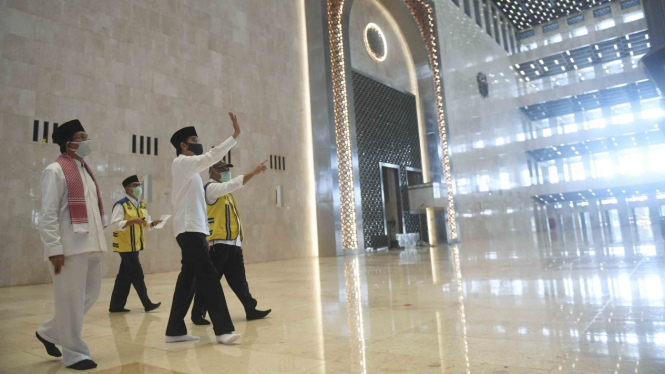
<point x="225" y="176"/>
<point x="197" y="149"/>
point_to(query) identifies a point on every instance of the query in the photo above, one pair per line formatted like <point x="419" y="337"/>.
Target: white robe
<point x="77" y="286"/>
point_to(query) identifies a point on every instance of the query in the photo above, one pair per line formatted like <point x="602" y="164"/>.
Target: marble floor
<point x="536" y="304"/>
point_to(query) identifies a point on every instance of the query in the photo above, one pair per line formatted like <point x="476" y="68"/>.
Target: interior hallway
<point x="525" y="308"/>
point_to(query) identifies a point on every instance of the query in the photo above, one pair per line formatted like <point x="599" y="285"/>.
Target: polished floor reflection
<point x="539" y="304"/>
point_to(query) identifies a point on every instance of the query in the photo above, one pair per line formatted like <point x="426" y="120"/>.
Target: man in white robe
<point x="71" y="227"/>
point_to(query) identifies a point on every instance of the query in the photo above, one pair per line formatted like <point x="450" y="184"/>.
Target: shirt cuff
<point x="56" y="250"/>
<point x="121" y="226"/>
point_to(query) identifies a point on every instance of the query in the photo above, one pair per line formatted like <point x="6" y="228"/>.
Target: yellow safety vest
<point x="131" y="240"/>
<point x="224" y="220"/>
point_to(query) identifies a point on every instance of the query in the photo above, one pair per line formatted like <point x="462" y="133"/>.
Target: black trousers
<point x="197" y="272"/>
<point x="229" y="262"/>
<point x="130" y="273"/>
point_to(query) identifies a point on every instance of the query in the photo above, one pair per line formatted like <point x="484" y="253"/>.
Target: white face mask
<point x="85" y="148"/>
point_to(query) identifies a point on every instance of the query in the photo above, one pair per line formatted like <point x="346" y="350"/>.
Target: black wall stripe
<point x="55" y="127"/>
<point x="148" y="143"/>
<point x="133" y="143"/>
<point x="141" y="148"/>
<point x="279" y="159"/>
<point x="35" y="131"/>
<point x="156" y="147"/>
<point x="283" y="163"/>
<point x="270" y="161"/>
<point x="45" y="132"/>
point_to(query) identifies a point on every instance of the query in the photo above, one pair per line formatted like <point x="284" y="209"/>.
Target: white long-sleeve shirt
<point x="55" y="226"/>
<point x="187" y="197"/>
<point x="118" y="221"/>
<point x="216" y="190"/>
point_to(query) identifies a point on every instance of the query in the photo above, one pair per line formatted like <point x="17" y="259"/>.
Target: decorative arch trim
<point x="424" y="15"/>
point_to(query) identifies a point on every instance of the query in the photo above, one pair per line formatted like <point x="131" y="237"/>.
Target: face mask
<point x="226" y="176"/>
<point x="137" y="191"/>
<point x="85" y="148"/>
<point x="197" y="149"/>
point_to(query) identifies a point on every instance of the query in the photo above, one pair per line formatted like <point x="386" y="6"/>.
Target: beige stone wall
<point x="149" y="67"/>
<point x="397" y="69"/>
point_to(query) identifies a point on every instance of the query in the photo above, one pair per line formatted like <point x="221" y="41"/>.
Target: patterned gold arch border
<point x="423" y="13"/>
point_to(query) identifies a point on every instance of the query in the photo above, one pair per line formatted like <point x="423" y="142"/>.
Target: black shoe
<point x="257" y="314"/>
<point x="200" y="321"/>
<point x="123" y="310"/>
<point x="51" y="349"/>
<point x="152" y="307"/>
<point x="83" y="365"/>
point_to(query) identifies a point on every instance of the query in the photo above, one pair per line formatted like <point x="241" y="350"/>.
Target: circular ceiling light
<point x="375" y="42"/>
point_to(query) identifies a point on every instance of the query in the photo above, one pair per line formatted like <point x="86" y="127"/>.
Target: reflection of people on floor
<point x="226" y="236"/>
<point x="190" y="226"/>
<point x="123" y="333"/>
<point x="129" y="220"/>
<point x="71" y="227"/>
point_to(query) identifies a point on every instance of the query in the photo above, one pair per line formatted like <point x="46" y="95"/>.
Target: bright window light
<point x="630" y="162"/>
<point x="634" y="16"/>
<point x="605" y="24"/>
<point x="651" y="109"/>
<point x="656" y="157"/>
<point x="579" y="32"/>
<point x="622" y="114"/>
<point x="553" y="173"/>
<point x="504" y="180"/>
<point x="570" y="128"/>
<point x="577" y="170"/>
<point x="553" y="39"/>
<point x="603" y="165"/>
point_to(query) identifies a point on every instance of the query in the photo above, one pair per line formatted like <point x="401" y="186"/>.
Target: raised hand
<point x="236" y="127"/>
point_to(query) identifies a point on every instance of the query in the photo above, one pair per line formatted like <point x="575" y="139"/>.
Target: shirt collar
<point x="133" y="200"/>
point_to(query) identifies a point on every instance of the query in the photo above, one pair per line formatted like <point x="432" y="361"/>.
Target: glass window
<point x="566" y="172"/>
<point x="553" y="173"/>
<point x="566" y="120"/>
<point x="656" y="157"/>
<point x="594" y="119"/>
<point x="613" y="67"/>
<point x="652" y="109"/>
<point x="622" y="114"/>
<point x="528" y="46"/>
<point x="603" y="165"/>
<point x="504" y="180"/>
<point x="579" y="32"/>
<point x="635" y="60"/>
<point x="630" y="161"/>
<point x="553" y="39"/>
<point x="483" y="182"/>
<point x="534" y="86"/>
<point x="634" y="16"/>
<point x="577" y="170"/>
<point x="586" y="73"/>
<point x="605" y="24"/>
<point x="559" y="79"/>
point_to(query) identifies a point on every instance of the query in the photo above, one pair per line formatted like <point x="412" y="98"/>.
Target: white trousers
<point x="76" y="289"/>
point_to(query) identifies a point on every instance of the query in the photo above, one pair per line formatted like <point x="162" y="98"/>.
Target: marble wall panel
<point x="489" y="176"/>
